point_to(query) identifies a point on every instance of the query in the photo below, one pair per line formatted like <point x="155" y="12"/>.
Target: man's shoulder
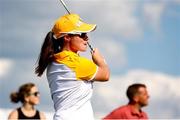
<point x="117" y="113"/>
<point x="123" y="108"/>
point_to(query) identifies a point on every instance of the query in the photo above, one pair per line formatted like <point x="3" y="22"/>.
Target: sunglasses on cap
<point x="35" y="94"/>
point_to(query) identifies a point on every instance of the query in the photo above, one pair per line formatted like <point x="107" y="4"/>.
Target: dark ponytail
<point x="49" y="48"/>
<point x="14" y="96"/>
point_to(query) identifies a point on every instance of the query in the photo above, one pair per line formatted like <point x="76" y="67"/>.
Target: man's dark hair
<point x="133" y="90"/>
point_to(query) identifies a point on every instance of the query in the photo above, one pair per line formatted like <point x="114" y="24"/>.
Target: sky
<point x="138" y="38"/>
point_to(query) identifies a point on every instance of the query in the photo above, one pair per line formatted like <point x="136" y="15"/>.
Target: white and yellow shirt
<point x="70" y="80"/>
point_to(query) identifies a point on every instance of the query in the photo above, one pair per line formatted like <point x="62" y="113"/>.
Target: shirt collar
<point x="134" y="112"/>
<point x="64" y="54"/>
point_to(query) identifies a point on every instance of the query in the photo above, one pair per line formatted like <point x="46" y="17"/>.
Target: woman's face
<point x="78" y="42"/>
<point x="34" y="96"/>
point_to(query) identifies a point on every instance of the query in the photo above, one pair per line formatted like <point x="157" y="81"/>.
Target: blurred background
<point x="140" y="40"/>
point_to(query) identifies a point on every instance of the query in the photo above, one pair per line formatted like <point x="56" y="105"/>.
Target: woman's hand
<point x="103" y="72"/>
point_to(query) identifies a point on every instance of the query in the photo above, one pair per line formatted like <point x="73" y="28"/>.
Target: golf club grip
<point x="90" y="46"/>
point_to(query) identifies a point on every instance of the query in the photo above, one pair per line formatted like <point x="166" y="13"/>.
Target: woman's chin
<point x="84" y="50"/>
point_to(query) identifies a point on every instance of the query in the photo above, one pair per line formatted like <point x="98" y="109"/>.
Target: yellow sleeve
<point x="86" y="69"/>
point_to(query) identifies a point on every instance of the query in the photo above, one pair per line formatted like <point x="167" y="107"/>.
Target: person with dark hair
<point x="69" y="75"/>
<point x="138" y="98"/>
<point x="28" y="95"/>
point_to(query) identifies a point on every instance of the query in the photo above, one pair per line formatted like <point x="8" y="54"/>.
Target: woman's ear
<point x="67" y="38"/>
<point x="26" y="98"/>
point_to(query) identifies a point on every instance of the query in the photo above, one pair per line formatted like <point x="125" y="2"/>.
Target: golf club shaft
<point x="90" y="46"/>
<point x="65" y="6"/>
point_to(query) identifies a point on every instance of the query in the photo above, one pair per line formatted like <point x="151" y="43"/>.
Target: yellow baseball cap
<point x="71" y="24"/>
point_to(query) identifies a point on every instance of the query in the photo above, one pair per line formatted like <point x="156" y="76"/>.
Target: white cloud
<point x="153" y="13"/>
<point x="115" y="17"/>
<point x="5" y="66"/>
<point x="119" y="18"/>
<point x="112" y="49"/>
<point x="162" y="89"/>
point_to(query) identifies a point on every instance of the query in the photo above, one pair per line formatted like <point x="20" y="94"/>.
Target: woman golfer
<point x="69" y="75"/>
